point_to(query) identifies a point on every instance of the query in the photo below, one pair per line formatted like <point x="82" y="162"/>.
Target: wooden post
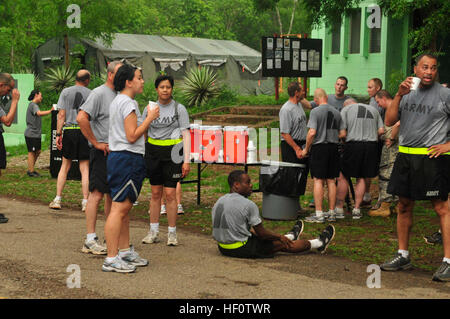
<point x="277" y="93"/>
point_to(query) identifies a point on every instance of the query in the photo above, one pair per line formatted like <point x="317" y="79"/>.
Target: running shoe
<point x="397" y="263"/>
<point x="172" y="239"/>
<point x="434" y="239"/>
<point x="133" y="258"/>
<point x="296" y="231"/>
<point x="94" y="247"/>
<point x="55" y="204"/>
<point x="443" y="273"/>
<point x="151" y="238"/>
<point x="118" y="265"/>
<point x="180" y="210"/>
<point x="326" y="237"/>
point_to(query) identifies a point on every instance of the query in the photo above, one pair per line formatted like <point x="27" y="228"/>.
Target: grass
<point x="368" y="240"/>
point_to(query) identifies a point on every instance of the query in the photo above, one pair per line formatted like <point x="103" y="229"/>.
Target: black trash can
<point x="282" y="184"/>
<point x="56" y="155"/>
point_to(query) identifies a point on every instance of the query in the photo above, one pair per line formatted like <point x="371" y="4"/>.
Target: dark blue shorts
<point x="126" y="172"/>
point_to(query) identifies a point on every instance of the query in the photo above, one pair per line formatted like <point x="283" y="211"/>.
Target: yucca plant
<point x="59" y="78"/>
<point x="200" y="85"/>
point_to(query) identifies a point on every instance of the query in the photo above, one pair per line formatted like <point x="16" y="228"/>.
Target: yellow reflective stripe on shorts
<point x="416" y="150"/>
<point x="233" y="245"/>
<point x="71" y="128"/>
<point x="164" y="142"/>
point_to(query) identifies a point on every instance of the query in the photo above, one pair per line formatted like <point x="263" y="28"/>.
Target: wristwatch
<point x="58" y="134"/>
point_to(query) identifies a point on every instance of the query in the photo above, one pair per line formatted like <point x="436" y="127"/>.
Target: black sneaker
<point x="434" y="239"/>
<point x="296" y="231"/>
<point x="443" y="273"/>
<point x="30" y="174"/>
<point x="3" y="219"/>
<point x="36" y="174"/>
<point x="326" y="237"/>
<point x="397" y="263"/>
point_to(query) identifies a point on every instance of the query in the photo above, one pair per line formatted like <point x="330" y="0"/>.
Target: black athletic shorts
<point x="33" y="144"/>
<point x="98" y="176"/>
<point x="419" y="177"/>
<point x="161" y="168"/>
<point x="324" y="161"/>
<point x="254" y="248"/>
<point x="75" y="145"/>
<point x="2" y="152"/>
<point x="360" y="159"/>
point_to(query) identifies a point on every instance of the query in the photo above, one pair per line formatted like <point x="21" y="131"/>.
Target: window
<point x="336" y="38"/>
<point x="375" y="39"/>
<point x="355" y="31"/>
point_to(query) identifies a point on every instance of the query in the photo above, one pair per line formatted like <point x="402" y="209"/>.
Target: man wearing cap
<point x="69" y="138"/>
<point x="6" y="85"/>
<point x="422" y="168"/>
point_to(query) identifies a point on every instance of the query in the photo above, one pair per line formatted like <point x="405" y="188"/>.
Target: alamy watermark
<point x="374" y="280"/>
<point x="74" y="279"/>
<point x="74" y="20"/>
<point x="374" y="19"/>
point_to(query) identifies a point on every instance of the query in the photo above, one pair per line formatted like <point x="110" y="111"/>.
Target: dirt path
<point x="37" y="245"/>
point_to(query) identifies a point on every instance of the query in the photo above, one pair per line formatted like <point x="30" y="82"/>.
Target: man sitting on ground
<point x="238" y="229"/>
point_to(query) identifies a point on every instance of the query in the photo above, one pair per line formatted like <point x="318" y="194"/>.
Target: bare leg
<point x="91" y="210"/>
<point x="114" y="232"/>
<point x="331" y="183"/>
<point x="62" y="175"/>
<point x="359" y="192"/>
<point x="341" y="191"/>
<point x="297" y="247"/>
<point x="84" y="169"/>
<point x="404" y="222"/>
<point x="178" y="193"/>
<point x="171" y="206"/>
<point x="155" y="203"/>
<point x="318" y="193"/>
<point x="443" y="211"/>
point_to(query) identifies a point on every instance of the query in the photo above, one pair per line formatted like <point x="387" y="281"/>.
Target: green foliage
<point x="395" y="78"/>
<point x="59" y="78"/>
<point x="200" y="86"/>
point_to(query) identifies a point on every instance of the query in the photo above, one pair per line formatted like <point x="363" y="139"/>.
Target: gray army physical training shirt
<point x="333" y="101"/>
<point x="326" y="120"/>
<point x="2" y="113"/>
<point x="97" y="106"/>
<point x="71" y="99"/>
<point x="34" y="121"/>
<point x="232" y="216"/>
<point x="120" y="108"/>
<point x="362" y="122"/>
<point x="425" y="117"/>
<point x="293" y="121"/>
<point x="374" y="103"/>
<point x="166" y="127"/>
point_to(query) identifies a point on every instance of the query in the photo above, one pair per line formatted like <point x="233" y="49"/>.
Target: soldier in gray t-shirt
<point x="69" y="138"/>
<point x="325" y="125"/>
<point x="422" y="167"/>
<point x="33" y="130"/>
<point x="235" y="218"/>
<point x="338" y="98"/>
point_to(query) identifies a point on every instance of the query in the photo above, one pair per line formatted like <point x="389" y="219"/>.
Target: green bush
<point x="200" y="86"/>
<point x="395" y="78"/>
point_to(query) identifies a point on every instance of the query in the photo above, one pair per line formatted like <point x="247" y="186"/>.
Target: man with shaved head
<point x="94" y="123"/>
<point x="6" y="85"/>
<point x="69" y="138"/>
<point x="325" y="126"/>
<point x="363" y="126"/>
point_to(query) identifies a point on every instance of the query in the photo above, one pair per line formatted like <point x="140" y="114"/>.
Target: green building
<point x="364" y="45"/>
<point x="14" y="135"/>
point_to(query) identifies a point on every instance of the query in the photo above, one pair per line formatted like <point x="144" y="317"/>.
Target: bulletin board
<point x="291" y="57"/>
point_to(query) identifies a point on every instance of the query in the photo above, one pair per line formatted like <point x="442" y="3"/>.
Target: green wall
<point x="359" y="68"/>
<point x="14" y="134"/>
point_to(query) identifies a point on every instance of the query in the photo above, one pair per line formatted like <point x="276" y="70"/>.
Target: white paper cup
<point x="55" y="107"/>
<point x="415" y="83"/>
<point x="153" y="105"/>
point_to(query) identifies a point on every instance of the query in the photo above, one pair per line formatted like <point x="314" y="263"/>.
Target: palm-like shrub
<point x="59" y="78"/>
<point x="200" y="85"/>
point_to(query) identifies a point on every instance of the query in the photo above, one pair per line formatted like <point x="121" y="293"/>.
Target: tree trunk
<point x="279" y="19"/>
<point x="292" y="16"/>
<point x="11" y="58"/>
<point x="66" y="47"/>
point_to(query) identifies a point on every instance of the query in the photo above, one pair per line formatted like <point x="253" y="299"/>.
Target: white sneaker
<point x="172" y="239"/>
<point x="356" y="213"/>
<point x="180" y="210"/>
<point x="94" y="247"/>
<point x="83" y="205"/>
<point x="339" y="213"/>
<point x="313" y="218"/>
<point x="163" y="210"/>
<point x="55" y="204"/>
<point x="151" y="238"/>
